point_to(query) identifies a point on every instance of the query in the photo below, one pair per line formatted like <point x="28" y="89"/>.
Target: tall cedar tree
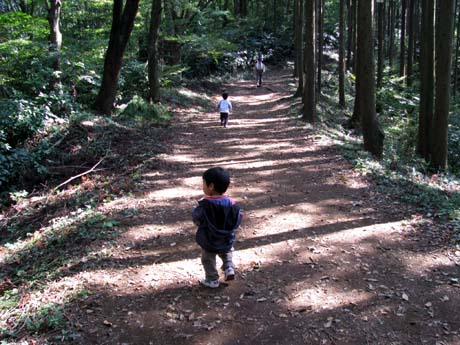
<point x="342" y="54"/>
<point x="381" y="38"/>
<point x="320" y="20"/>
<point x="55" y="40"/>
<point x="298" y="32"/>
<point x="309" y="97"/>
<point x="372" y="134"/>
<point x="153" y="70"/>
<point x="122" y="26"/>
<point x="457" y="47"/>
<point x="426" y="79"/>
<point x="444" y="35"/>
<point x="349" y="33"/>
<point x="391" y="33"/>
<point x="402" y="42"/>
<point x="411" y="24"/>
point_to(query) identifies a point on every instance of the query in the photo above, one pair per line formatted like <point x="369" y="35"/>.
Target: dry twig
<point x="79" y="175"/>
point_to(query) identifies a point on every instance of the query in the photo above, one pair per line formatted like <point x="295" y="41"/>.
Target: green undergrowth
<point x="400" y="173"/>
<point x="188" y="97"/>
<point x="141" y="111"/>
<point x="65" y="226"/>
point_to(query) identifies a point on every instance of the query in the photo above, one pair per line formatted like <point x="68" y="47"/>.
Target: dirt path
<point x="322" y="258"/>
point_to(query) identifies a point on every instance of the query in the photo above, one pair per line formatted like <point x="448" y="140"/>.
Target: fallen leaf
<point x="107" y="323"/>
<point x="405" y="297"/>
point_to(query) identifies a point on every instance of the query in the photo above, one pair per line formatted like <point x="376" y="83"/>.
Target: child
<point x="217" y="217"/>
<point x="225" y="108"/>
<point x="259" y="69"/>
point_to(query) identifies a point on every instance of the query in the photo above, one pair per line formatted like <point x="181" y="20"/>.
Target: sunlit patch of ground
<point x="317" y="260"/>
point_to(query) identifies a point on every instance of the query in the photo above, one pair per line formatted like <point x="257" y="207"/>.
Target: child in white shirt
<point x="225" y="108"/>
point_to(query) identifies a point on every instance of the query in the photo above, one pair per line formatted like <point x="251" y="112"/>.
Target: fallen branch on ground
<point x="79" y="175"/>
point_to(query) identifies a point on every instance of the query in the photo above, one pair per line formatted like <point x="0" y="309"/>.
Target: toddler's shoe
<point x="213" y="284"/>
<point x="229" y="274"/>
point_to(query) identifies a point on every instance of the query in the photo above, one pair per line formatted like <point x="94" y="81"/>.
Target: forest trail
<point x="322" y="257"/>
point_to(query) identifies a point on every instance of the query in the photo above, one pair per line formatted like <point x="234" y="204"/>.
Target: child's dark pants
<point x="224" y="119"/>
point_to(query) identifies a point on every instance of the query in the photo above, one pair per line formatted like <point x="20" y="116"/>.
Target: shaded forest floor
<point x="322" y="256"/>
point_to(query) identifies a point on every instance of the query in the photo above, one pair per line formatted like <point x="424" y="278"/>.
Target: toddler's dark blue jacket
<point x="217" y="218"/>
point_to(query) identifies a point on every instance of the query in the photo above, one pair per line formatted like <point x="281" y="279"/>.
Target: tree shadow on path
<point x="322" y="257"/>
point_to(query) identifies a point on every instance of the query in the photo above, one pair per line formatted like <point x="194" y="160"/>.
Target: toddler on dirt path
<point x="218" y="218"/>
<point x="225" y="108"/>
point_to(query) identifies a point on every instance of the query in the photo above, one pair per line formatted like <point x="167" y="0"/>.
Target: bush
<point x="139" y="110"/>
<point x="19" y="120"/>
<point x="133" y="80"/>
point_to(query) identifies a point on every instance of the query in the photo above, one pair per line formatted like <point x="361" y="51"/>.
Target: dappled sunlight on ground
<point x="255" y="100"/>
<point x="325" y="298"/>
<point x="321" y="257"/>
<point x="356" y="235"/>
<point x="424" y="263"/>
<point x="174" y="192"/>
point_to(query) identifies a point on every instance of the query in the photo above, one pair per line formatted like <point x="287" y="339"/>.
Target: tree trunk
<point x="153" y="69"/>
<point x="350" y="34"/>
<point x="411" y="39"/>
<point x="444" y="33"/>
<point x="237" y="8"/>
<point x="355" y="32"/>
<point x="320" y="17"/>
<point x="342" y="54"/>
<point x="426" y="79"/>
<point x="372" y="134"/>
<point x="402" y="44"/>
<point x="391" y="21"/>
<point x="23" y="6"/>
<point x="381" y="38"/>
<point x="122" y="26"/>
<point x="417" y="32"/>
<point x="457" y="47"/>
<point x="55" y="40"/>
<point x="299" y="45"/>
<point x="309" y="98"/>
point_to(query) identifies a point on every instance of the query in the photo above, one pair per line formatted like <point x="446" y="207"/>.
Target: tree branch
<point x="79" y="175"/>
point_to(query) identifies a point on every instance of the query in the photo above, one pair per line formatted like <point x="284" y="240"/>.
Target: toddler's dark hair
<point x="225" y="95"/>
<point x="219" y="177"/>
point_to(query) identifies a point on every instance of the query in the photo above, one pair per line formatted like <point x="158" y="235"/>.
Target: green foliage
<point x="398" y="115"/>
<point x="206" y="54"/>
<point x="22" y="49"/>
<point x="19" y="119"/>
<point x="19" y="25"/>
<point x="86" y="21"/>
<point x="133" y="80"/>
<point x="172" y="75"/>
<point x="185" y="97"/>
<point x="139" y="110"/>
<point x="47" y="317"/>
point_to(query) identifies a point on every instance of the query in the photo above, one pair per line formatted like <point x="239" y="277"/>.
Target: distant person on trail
<point x="218" y="218"/>
<point x="225" y="108"/>
<point x="259" y="68"/>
